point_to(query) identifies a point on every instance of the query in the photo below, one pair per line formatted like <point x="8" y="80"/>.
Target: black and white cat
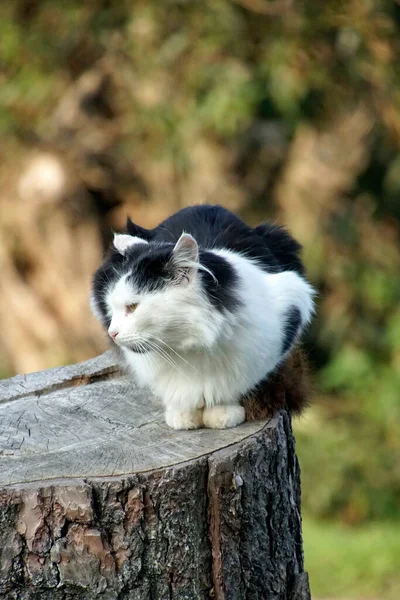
<point x="203" y="308"/>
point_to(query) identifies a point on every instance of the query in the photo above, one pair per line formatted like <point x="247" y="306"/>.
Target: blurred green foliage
<point x="223" y="70"/>
<point x="352" y="563"/>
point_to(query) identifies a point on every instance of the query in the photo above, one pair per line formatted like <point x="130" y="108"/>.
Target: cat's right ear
<point x="185" y="258"/>
<point x="122" y="242"/>
<point x="136" y="230"/>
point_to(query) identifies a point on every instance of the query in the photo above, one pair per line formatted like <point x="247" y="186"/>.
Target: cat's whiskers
<point x="168" y="359"/>
<point x="160" y="352"/>
<point x="177" y="353"/>
<point x="146" y="358"/>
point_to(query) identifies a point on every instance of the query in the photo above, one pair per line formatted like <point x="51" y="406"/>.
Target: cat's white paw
<point x="177" y="419"/>
<point x="222" y="417"/>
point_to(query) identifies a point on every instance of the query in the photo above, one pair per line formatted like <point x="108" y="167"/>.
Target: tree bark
<point x="99" y="499"/>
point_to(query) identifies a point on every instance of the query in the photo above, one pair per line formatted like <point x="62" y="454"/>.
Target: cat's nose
<point x="113" y="334"/>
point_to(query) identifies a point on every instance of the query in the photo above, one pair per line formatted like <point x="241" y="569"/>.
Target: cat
<point x="204" y="309"/>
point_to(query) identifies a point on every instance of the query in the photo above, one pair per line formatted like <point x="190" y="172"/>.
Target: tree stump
<point x="100" y="499"/>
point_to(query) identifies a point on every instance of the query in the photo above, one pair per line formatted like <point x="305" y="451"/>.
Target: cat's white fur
<point x="202" y="361"/>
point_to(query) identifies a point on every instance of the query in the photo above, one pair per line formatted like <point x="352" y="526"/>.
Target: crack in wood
<point x="109" y="373"/>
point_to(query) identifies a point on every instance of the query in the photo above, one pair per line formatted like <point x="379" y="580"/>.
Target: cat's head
<point x="152" y="295"/>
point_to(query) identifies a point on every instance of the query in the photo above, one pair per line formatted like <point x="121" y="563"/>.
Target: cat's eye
<point x="130" y="308"/>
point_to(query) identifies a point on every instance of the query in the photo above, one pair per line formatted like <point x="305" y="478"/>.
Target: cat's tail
<point x="287" y="387"/>
<point x="285" y="249"/>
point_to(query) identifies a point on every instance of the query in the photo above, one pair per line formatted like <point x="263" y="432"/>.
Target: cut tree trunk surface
<point x="100" y="499"/>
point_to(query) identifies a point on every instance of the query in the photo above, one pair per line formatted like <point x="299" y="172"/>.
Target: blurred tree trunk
<point x="54" y="229"/>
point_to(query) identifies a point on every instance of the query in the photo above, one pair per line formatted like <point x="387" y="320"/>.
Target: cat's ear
<point x="136" y="230"/>
<point x="186" y="249"/>
<point x="185" y="257"/>
<point x="122" y="242"/>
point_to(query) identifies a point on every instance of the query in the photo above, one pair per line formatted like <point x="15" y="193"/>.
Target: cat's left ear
<point x="136" y="230"/>
<point x="185" y="257"/>
<point x="122" y="242"/>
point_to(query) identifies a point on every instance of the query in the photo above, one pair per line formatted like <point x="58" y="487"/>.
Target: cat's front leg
<point x="184" y="419"/>
<point x="222" y="417"/>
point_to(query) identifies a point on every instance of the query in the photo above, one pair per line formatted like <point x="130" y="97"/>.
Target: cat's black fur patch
<point x="216" y="227"/>
<point x="213" y="227"/>
<point x="292" y="326"/>
<point x="109" y="272"/>
<point x="284" y="248"/>
<point x="152" y="269"/>
<point x="149" y="266"/>
<point x="221" y="293"/>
